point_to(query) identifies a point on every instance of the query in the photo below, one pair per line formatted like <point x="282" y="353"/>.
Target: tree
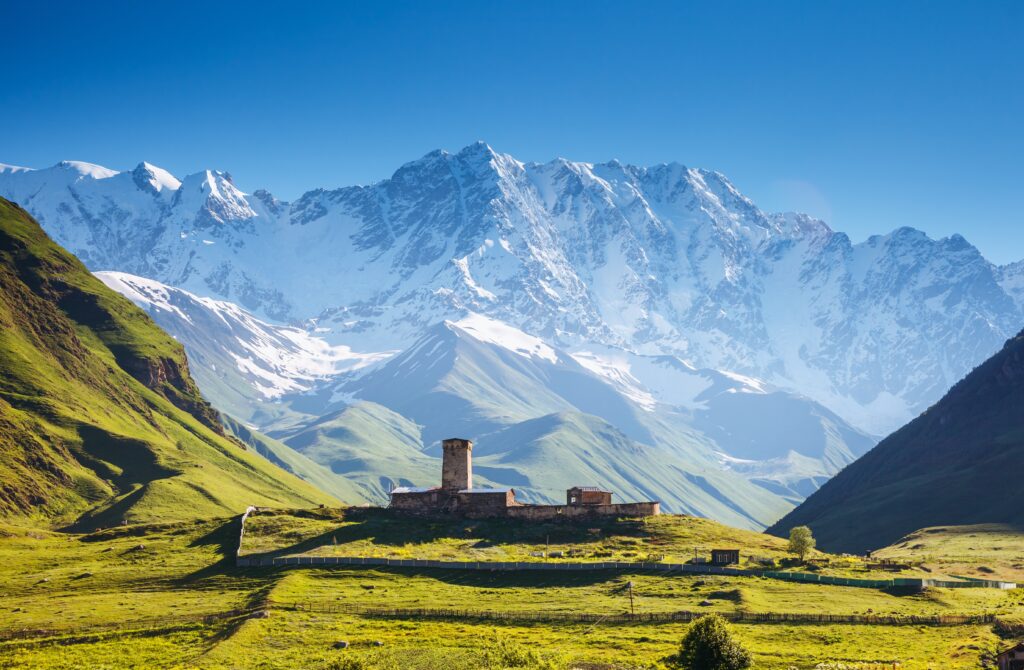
<point x="801" y="541"/>
<point x="708" y="645"/>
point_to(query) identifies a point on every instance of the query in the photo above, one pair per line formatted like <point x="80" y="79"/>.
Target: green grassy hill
<point x="362" y="441"/>
<point x="100" y="420"/>
<point x="958" y="463"/>
<point x="550" y="453"/>
<point x="981" y="551"/>
<point x="286" y="458"/>
<point x="386" y="534"/>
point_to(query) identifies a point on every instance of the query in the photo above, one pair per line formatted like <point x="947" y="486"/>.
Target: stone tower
<point x="457" y="467"/>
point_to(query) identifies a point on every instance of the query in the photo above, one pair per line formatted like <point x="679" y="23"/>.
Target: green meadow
<point x="168" y="595"/>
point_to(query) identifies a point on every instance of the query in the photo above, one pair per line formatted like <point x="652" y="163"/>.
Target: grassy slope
<point x="368" y="444"/>
<point x="153" y="576"/>
<point x="374" y="532"/>
<point x="98" y="413"/>
<point x="545" y="456"/>
<point x="286" y="458"/>
<point x="958" y="463"/>
<point x="670" y="538"/>
<point x="983" y="551"/>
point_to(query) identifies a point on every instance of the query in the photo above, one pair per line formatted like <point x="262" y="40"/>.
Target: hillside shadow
<point x="106" y="517"/>
<point x="484" y="579"/>
<point x="519" y="579"/>
<point x="389" y="529"/>
<point x="225" y="539"/>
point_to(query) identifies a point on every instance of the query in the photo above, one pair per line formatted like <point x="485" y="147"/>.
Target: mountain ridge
<point x="661" y="260"/>
<point x="955" y="464"/>
<point x="379" y="424"/>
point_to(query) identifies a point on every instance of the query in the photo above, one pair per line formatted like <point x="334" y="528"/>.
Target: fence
<point x="681" y="568"/>
<point x="688" y="568"/>
<point x="84" y="632"/>
<point x="896" y="582"/>
<point x="644" y="617"/>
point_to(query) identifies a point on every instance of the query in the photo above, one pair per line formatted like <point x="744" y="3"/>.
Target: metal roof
<point x="485" y="490"/>
<point x="589" y="488"/>
<point x="413" y="489"/>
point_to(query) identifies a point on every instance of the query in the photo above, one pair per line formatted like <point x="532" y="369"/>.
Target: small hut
<point x="588" y="495"/>
<point x="1012" y="658"/>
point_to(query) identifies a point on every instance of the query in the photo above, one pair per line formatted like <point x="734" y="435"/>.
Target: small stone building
<point x="490" y="502"/>
<point x="1012" y="658"/>
<point x="588" y="495"/>
<point x="456" y="495"/>
<point x="725" y="556"/>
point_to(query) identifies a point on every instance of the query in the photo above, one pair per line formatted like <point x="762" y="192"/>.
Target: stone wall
<point x="420" y="502"/>
<point x="484" y="505"/>
<point x="581" y="496"/>
<point x="550" y="512"/>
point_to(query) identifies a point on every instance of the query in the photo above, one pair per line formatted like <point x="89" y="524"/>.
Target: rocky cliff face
<point x="665" y="260"/>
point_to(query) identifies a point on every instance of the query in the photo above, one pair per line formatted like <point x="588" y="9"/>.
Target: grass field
<point x="138" y="597"/>
<point x="605" y="592"/>
<point x="379" y="533"/>
<point x="980" y="551"/>
<point x="372" y="532"/>
<point x="424" y="644"/>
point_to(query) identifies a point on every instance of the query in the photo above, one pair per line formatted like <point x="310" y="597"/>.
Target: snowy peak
<point x="274" y="360"/>
<point x="12" y="169"/>
<point x="666" y="260"/>
<point x="88" y="170"/>
<point x="157" y="180"/>
<point x="492" y="331"/>
<point x="214" y="196"/>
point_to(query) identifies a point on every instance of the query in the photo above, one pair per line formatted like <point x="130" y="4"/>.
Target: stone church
<point x="457" y="496"/>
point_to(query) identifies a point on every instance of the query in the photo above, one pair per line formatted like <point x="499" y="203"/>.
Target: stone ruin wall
<point x="550" y="512"/>
<point x="558" y="512"/>
<point x="483" y="505"/>
<point x="419" y="502"/>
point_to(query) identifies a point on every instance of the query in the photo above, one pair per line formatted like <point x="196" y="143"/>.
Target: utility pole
<point x="631" y="610"/>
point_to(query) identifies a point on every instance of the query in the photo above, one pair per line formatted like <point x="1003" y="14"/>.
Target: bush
<point x="503" y="653"/>
<point x="708" y="645"/>
<point x="375" y="660"/>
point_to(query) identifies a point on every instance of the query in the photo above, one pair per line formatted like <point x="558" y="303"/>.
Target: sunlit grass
<point x="133" y="597"/>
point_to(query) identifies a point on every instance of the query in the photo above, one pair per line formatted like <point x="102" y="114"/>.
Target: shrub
<point x="708" y="645"/>
<point x="376" y="660"/>
<point x="502" y="653"/>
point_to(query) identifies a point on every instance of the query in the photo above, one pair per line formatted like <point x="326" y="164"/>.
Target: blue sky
<point x="869" y="115"/>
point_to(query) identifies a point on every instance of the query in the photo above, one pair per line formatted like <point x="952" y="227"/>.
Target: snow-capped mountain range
<point x="702" y="441"/>
<point x="664" y="260"/>
<point x="607" y="320"/>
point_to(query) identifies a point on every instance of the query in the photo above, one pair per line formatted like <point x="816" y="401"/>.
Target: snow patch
<point x="492" y="331"/>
